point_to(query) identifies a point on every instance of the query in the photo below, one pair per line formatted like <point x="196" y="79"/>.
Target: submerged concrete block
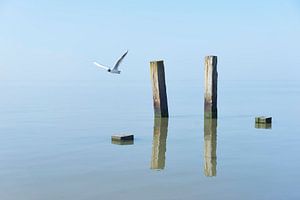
<point x="263" y="120"/>
<point x="122" y="137"/>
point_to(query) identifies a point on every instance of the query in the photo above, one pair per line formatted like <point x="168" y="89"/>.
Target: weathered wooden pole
<point x="160" y="101"/>
<point x="210" y="147"/>
<point x="210" y="87"/>
<point x="210" y="115"/>
<point x="160" y="132"/>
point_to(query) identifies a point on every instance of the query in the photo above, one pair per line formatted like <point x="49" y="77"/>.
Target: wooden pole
<point x="210" y="147"/>
<point x="210" y="87"/>
<point x="160" y="101"/>
<point x="160" y="132"/>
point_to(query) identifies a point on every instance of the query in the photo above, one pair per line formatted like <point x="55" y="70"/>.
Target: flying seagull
<point x="115" y="69"/>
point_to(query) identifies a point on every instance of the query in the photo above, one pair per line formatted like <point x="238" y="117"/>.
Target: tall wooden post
<point x="210" y="87"/>
<point x="160" y="132"/>
<point x="160" y="101"/>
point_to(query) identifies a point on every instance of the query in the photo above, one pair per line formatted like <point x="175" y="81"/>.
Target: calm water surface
<point x="55" y="142"/>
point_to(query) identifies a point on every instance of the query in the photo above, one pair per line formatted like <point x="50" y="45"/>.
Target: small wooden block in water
<point x="263" y="120"/>
<point x="122" y="137"/>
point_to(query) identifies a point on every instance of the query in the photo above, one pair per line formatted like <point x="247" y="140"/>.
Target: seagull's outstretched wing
<point x="119" y="61"/>
<point x="102" y="66"/>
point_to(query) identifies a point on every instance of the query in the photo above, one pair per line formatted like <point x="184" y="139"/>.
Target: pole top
<point x="156" y="61"/>
<point x="211" y="56"/>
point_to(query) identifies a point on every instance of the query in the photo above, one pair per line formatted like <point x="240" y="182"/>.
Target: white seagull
<point x="115" y="69"/>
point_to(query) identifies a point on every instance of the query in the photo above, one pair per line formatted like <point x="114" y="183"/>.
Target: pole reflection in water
<point x="210" y="147"/>
<point x="160" y="132"/>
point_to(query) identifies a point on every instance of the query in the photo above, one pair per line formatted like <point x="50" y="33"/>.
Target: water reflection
<point x="160" y="132"/>
<point x="210" y="147"/>
<point x="126" y="142"/>
<point x="263" y="126"/>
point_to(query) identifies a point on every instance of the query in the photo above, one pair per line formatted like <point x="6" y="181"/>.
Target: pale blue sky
<point x="58" y="40"/>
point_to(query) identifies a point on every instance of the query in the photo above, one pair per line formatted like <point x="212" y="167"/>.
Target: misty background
<point x="59" y="40"/>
